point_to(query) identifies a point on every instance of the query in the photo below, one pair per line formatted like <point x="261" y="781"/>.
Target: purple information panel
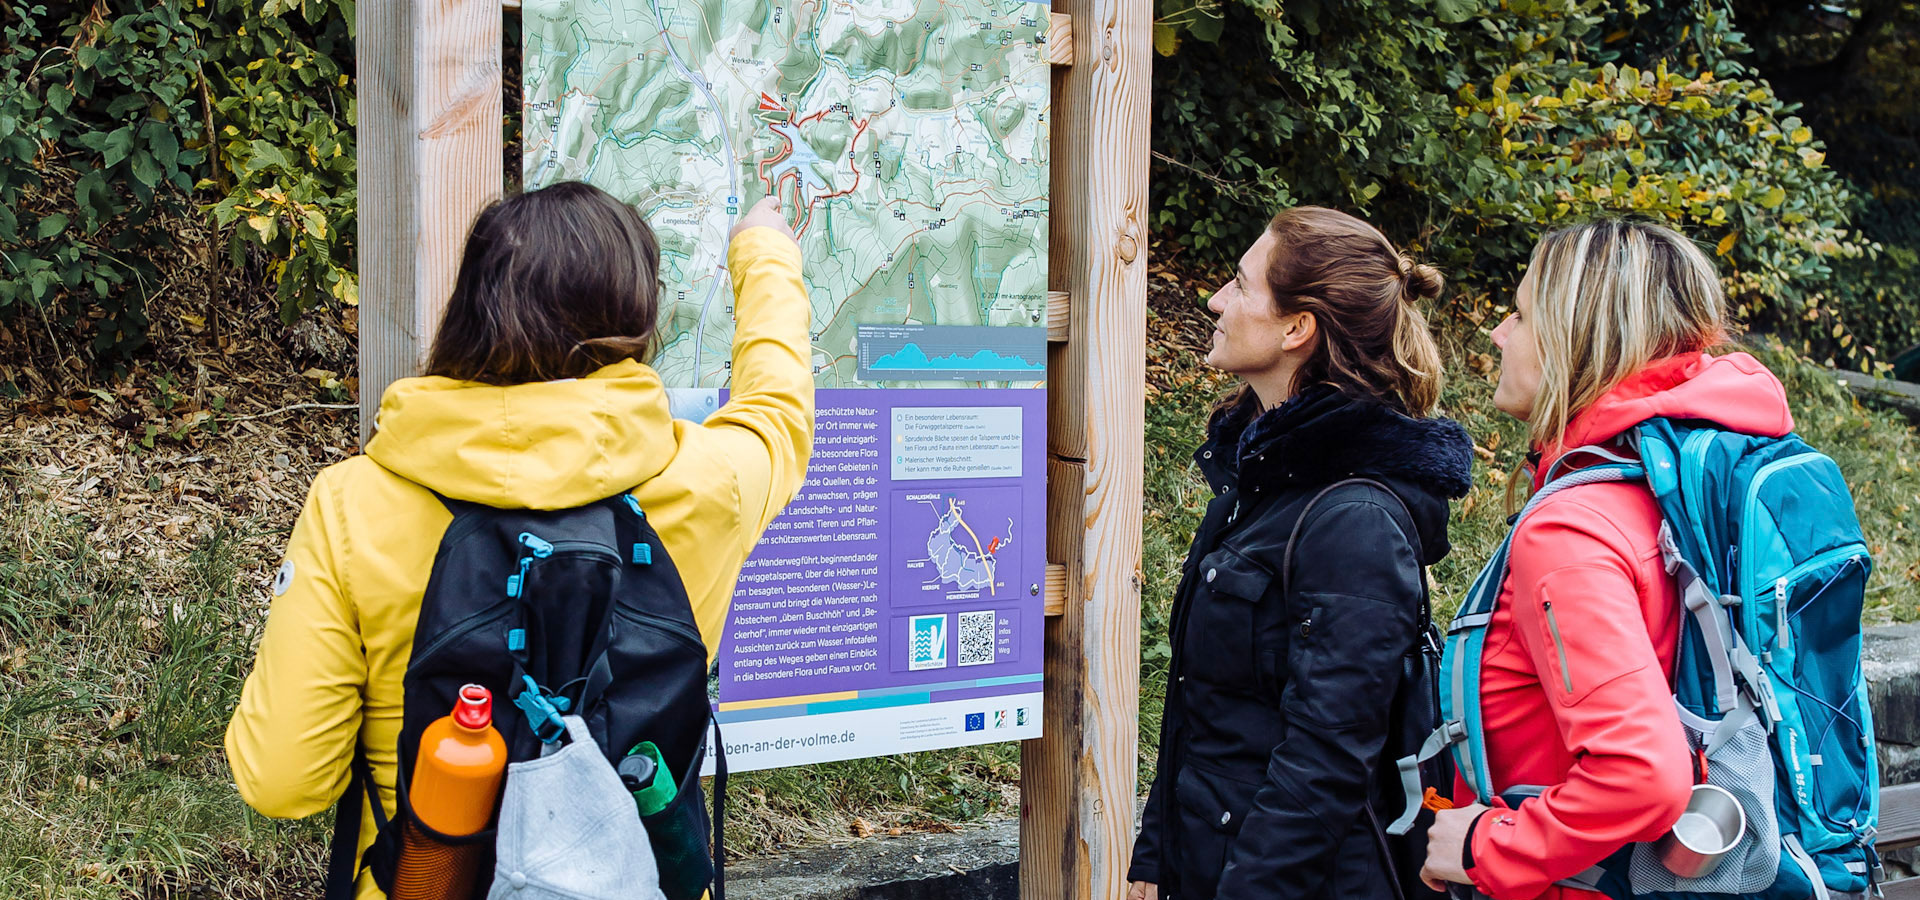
<point x="897" y="603"/>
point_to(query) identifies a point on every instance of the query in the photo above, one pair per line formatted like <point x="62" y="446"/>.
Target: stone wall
<point x="1891" y="659"/>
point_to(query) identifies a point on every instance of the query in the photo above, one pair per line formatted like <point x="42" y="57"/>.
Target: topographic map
<point x="907" y="140"/>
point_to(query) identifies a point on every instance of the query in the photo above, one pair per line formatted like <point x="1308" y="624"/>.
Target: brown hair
<point x="554" y="283"/>
<point x="1372" y="340"/>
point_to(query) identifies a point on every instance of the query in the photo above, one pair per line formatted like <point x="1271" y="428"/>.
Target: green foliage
<point x="107" y="114"/>
<point x="1850" y="64"/>
<point x="285" y="154"/>
<point x="1295" y="102"/>
<point x="1714" y="153"/>
<point x="1466" y="129"/>
<point x="97" y="130"/>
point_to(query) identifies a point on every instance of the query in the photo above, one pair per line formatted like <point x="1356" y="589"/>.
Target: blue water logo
<point x="927" y="642"/>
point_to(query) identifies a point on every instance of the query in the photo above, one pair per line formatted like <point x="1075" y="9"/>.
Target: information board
<point x="897" y="604"/>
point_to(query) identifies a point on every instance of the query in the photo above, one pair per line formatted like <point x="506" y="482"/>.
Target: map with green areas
<point x="907" y="140"/>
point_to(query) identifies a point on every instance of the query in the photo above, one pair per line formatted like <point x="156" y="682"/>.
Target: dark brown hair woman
<point x="1303" y="596"/>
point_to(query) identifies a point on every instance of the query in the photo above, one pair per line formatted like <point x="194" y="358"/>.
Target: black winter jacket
<point x="1278" y="701"/>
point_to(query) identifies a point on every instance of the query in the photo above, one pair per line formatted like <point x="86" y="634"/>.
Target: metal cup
<point x="1706" y="832"/>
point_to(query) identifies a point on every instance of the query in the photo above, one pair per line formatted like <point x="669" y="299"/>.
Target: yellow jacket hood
<point x="541" y="445"/>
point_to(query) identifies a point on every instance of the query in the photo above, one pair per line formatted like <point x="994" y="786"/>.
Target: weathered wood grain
<point x="1078" y="781"/>
<point x="1056" y="590"/>
<point x="1899" y="816"/>
<point x="429" y="141"/>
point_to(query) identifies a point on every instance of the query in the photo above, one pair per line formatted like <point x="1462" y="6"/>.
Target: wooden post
<point x="1078" y="781"/>
<point x="429" y="138"/>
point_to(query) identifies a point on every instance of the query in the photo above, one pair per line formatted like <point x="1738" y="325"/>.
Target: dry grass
<point x="141" y="516"/>
<point x="132" y="586"/>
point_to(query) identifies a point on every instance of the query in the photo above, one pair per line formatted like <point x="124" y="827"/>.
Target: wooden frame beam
<point x="1059" y="315"/>
<point x="429" y="106"/>
<point x="1078" y="781"/>
<point x="1060" y="39"/>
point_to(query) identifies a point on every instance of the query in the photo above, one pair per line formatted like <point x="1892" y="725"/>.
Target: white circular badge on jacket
<point x="283" y="579"/>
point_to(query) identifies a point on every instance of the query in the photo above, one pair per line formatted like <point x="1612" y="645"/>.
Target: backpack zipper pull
<point x="540" y="548"/>
<point x="1780" y="638"/>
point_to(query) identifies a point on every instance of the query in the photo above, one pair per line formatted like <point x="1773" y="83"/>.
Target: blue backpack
<point x="1761" y="536"/>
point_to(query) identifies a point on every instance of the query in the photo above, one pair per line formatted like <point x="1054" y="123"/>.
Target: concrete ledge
<point x="1890" y="658"/>
<point x="981" y="862"/>
<point x="1900" y="396"/>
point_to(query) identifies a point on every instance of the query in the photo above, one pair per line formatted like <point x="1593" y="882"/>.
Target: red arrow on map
<point x="767" y="102"/>
<point x="993" y="545"/>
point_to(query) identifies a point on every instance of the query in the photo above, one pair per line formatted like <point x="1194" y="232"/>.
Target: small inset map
<point x="955" y="543"/>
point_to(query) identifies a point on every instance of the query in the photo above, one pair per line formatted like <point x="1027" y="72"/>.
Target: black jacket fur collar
<point x="1321" y="436"/>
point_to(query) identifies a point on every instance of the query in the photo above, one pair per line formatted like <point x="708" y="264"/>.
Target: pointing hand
<point x="764" y="213"/>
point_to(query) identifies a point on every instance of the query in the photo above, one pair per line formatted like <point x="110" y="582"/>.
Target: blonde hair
<point x="1363" y="295"/>
<point x="1609" y="297"/>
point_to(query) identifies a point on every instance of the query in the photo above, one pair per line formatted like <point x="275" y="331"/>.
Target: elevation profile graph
<point x="951" y="353"/>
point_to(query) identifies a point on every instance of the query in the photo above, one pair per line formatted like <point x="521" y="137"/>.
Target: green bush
<point x="1850" y="64"/>
<point x="108" y="111"/>
<point x="97" y="115"/>
<point x="283" y="96"/>
<point x="1467" y="128"/>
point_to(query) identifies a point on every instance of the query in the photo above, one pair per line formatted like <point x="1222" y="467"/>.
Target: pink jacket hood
<point x="1733" y="391"/>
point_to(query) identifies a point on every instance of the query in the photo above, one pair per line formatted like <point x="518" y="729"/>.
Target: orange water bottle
<point x="456" y="782"/>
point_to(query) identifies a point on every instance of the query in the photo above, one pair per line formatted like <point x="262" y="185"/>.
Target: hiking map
<point x="897" y="604"/>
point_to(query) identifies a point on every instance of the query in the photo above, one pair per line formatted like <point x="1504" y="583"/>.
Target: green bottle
<point x="645" y="775"/>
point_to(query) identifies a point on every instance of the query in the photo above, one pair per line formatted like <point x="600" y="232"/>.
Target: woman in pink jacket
<point x="1613" y="323"/>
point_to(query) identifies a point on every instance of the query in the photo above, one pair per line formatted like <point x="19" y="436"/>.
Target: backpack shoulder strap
<point x="342" y="872"/>
<point x="1460" y="724"/>
<point x="1404" y="520"/>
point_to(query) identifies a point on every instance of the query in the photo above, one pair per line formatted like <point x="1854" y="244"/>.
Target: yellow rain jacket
<point x="340" y="629"/>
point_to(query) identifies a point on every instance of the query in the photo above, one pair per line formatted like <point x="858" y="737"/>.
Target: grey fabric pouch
<point x="569" y="830"/>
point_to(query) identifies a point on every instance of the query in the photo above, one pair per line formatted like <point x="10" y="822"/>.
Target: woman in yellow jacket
<point x="533" y="400"/>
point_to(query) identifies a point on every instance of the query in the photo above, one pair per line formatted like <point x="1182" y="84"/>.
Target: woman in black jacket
<point x="1286" y="664"/>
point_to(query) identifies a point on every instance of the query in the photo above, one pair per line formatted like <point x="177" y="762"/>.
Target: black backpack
<point x="576" y="611"/>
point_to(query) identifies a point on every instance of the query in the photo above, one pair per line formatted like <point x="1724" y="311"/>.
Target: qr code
<point x="976" y="638"/>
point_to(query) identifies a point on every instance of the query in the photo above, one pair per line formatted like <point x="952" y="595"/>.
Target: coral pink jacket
<point x="1575" y="675"/>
